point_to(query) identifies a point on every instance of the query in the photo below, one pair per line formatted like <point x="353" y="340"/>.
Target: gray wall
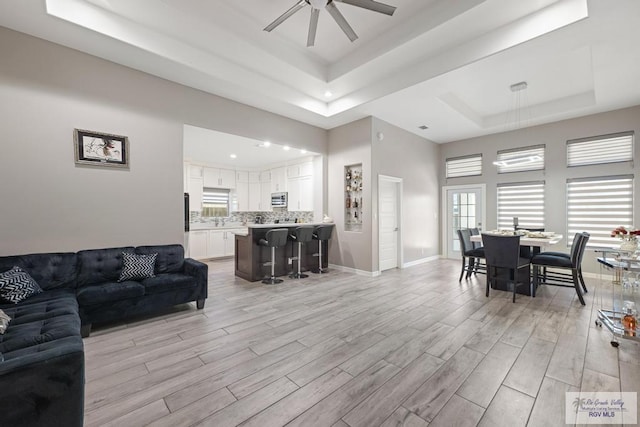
<point x="401" y="154"/>
<point x="49" y="203"/>
<point x="348" y="145"/>
<point x="416" y="160"/>
<point x="554" y="136"/>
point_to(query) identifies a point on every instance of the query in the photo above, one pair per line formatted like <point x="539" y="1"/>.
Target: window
<point x="521" y="159"/>
<point x="464" y="166"/>
<point x="596" y="150"/>
<point x="598" y="205"/>
<point x="215" y="202"/>
<point x="524" y="201"/>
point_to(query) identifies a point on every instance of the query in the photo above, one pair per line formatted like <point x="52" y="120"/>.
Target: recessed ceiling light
<point x="233" y="156"/>
<point x="328" y="94"/>
<point x="286" y="148"/>
<point x="266" y="144"/>
<point x="303" y="151"/>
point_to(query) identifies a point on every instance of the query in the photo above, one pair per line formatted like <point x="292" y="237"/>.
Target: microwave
<point x="278" y="200"/>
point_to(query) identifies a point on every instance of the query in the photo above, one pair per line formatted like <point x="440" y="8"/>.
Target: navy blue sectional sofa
<point x="41" y="352"/>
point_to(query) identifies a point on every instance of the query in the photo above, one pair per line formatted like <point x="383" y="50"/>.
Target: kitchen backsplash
<point x="249" y="217"/>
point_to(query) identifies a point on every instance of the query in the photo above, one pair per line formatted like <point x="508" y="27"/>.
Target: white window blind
<point x="521" y="159"/>
<point x="215" y="202"/>
<point x="600" y="149"/>
<point x="522" y="200"/>
<point x="598" y="205"/>
<point x="464" y="166"/>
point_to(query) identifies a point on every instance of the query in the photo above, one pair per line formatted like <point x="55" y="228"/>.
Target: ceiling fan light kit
<point x="332" y="9"/>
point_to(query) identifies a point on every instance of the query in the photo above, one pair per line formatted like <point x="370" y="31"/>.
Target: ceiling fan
<point x="330" y="6"/>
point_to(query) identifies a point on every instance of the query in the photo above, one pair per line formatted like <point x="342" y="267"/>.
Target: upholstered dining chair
<point x="471" y="255"/>
<point x="503" y="252"/>
<point x="528" y="251"/>
<point x="553" y="261"/>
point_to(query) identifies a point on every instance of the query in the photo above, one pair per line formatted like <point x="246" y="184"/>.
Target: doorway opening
<point x="463" y="207"/>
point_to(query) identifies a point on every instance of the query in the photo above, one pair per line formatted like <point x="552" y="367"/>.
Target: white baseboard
<point x="421" y="261"/>
<point x="354" y="270"/>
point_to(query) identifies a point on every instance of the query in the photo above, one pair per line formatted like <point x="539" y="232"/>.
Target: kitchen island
<point x="250" y="256"/>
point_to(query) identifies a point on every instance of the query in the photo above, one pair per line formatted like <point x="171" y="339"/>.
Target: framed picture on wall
<point x="101" y="149"/>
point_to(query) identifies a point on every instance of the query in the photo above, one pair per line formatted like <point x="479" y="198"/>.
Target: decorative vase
<point x="629" y="245"/>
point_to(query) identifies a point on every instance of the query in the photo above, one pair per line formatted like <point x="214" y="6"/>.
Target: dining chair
<point x="471" y="255"/>
<point x="553" y="261"/>
<point x="529" y="251"/>
<point x="503" y="252"/>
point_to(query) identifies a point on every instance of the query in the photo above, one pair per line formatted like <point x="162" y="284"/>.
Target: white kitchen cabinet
<point x="265" y="198"/>
<point x="195" y="171"/>
<point x="301" y="169"/>
<point x="255" y="196"/>
<point x="219" y="178"/>
<point x="221" y="243"/>
<point x="300" y="194"/>
<point x="265" y="176"/>
<point x="195" y="194"/>
<point x="198" y="243"/>
<point x="216" y="248"/>
<point x="230" y="242"/>
<point x="242" y="176"/>
<point x="279" y="179"/>
<point x="242" y="196"/>
<point x="255" y="177"/>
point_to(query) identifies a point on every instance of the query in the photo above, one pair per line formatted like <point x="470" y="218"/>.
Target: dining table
<point x="543" y="242"/>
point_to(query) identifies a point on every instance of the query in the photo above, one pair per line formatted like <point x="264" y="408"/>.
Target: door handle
<point x="395" y="229"/>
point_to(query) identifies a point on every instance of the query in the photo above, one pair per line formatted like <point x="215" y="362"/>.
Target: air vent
<point x="423" y="127"/>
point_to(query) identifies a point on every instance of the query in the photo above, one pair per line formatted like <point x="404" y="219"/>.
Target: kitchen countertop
<point x="284" y="224"/>
<point x="196" y="226"/>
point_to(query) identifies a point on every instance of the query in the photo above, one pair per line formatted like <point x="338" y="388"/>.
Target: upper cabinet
<point x="279" y="179"/>
<point x="299" y="170"/>
<point x="219" y="178"/>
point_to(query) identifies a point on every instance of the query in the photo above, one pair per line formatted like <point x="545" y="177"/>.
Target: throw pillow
<point x="4" y="322"/>
<point x="16" y="285"/>
<point x="137" y="267"/>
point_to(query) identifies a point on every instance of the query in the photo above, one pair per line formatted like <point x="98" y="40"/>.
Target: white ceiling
<point x="215" y="149"/>
<point x="440" y="63"/>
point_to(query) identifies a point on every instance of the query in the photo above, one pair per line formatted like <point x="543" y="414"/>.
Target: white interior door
<point x="389" y="224"/>
<point x="464" y="210"/>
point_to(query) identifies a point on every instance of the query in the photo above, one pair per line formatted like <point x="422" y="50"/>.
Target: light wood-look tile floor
<point x="411" y="347"/>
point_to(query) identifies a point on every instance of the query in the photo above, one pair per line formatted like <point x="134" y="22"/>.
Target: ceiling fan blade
<point x="371" y="5"/>
<point x="342" y="23"/>
<point x="299" y="5"/>
<point x="313" y="26"/>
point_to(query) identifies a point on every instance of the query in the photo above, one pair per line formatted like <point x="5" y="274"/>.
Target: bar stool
<point x="302" y="234"/>
<point x="274" y="239"/>
<point x="321" y="233"/>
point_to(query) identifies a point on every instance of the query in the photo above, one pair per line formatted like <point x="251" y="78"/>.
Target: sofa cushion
<point x="67" y="294"/>
<point x="23" y="335"/>
<point x="110" y="291"/>
<point x="170" y="257"/>
<point x="16" y="285"/>
<point x="137" y="267"/>
<point x="168" y="282"/>
<point x="35" y="311"/>
<point x="50" y="271"/>
<point x="100" y="265"/>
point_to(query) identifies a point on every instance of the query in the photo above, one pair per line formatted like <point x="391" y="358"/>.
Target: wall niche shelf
<point x="353" y="197"/>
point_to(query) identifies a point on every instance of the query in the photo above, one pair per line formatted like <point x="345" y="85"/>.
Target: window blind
<point x="464" y="166"/>
<point x="600" y="149"/>
<point x="598" y="205"/>
<point x="522" y="200"/>
<point x="521" y="159"/>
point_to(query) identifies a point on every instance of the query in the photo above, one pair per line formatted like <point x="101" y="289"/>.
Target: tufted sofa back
<point x="100" y="265"/>
<point x="50" y="271"/>
<point x="169" y="260"/>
